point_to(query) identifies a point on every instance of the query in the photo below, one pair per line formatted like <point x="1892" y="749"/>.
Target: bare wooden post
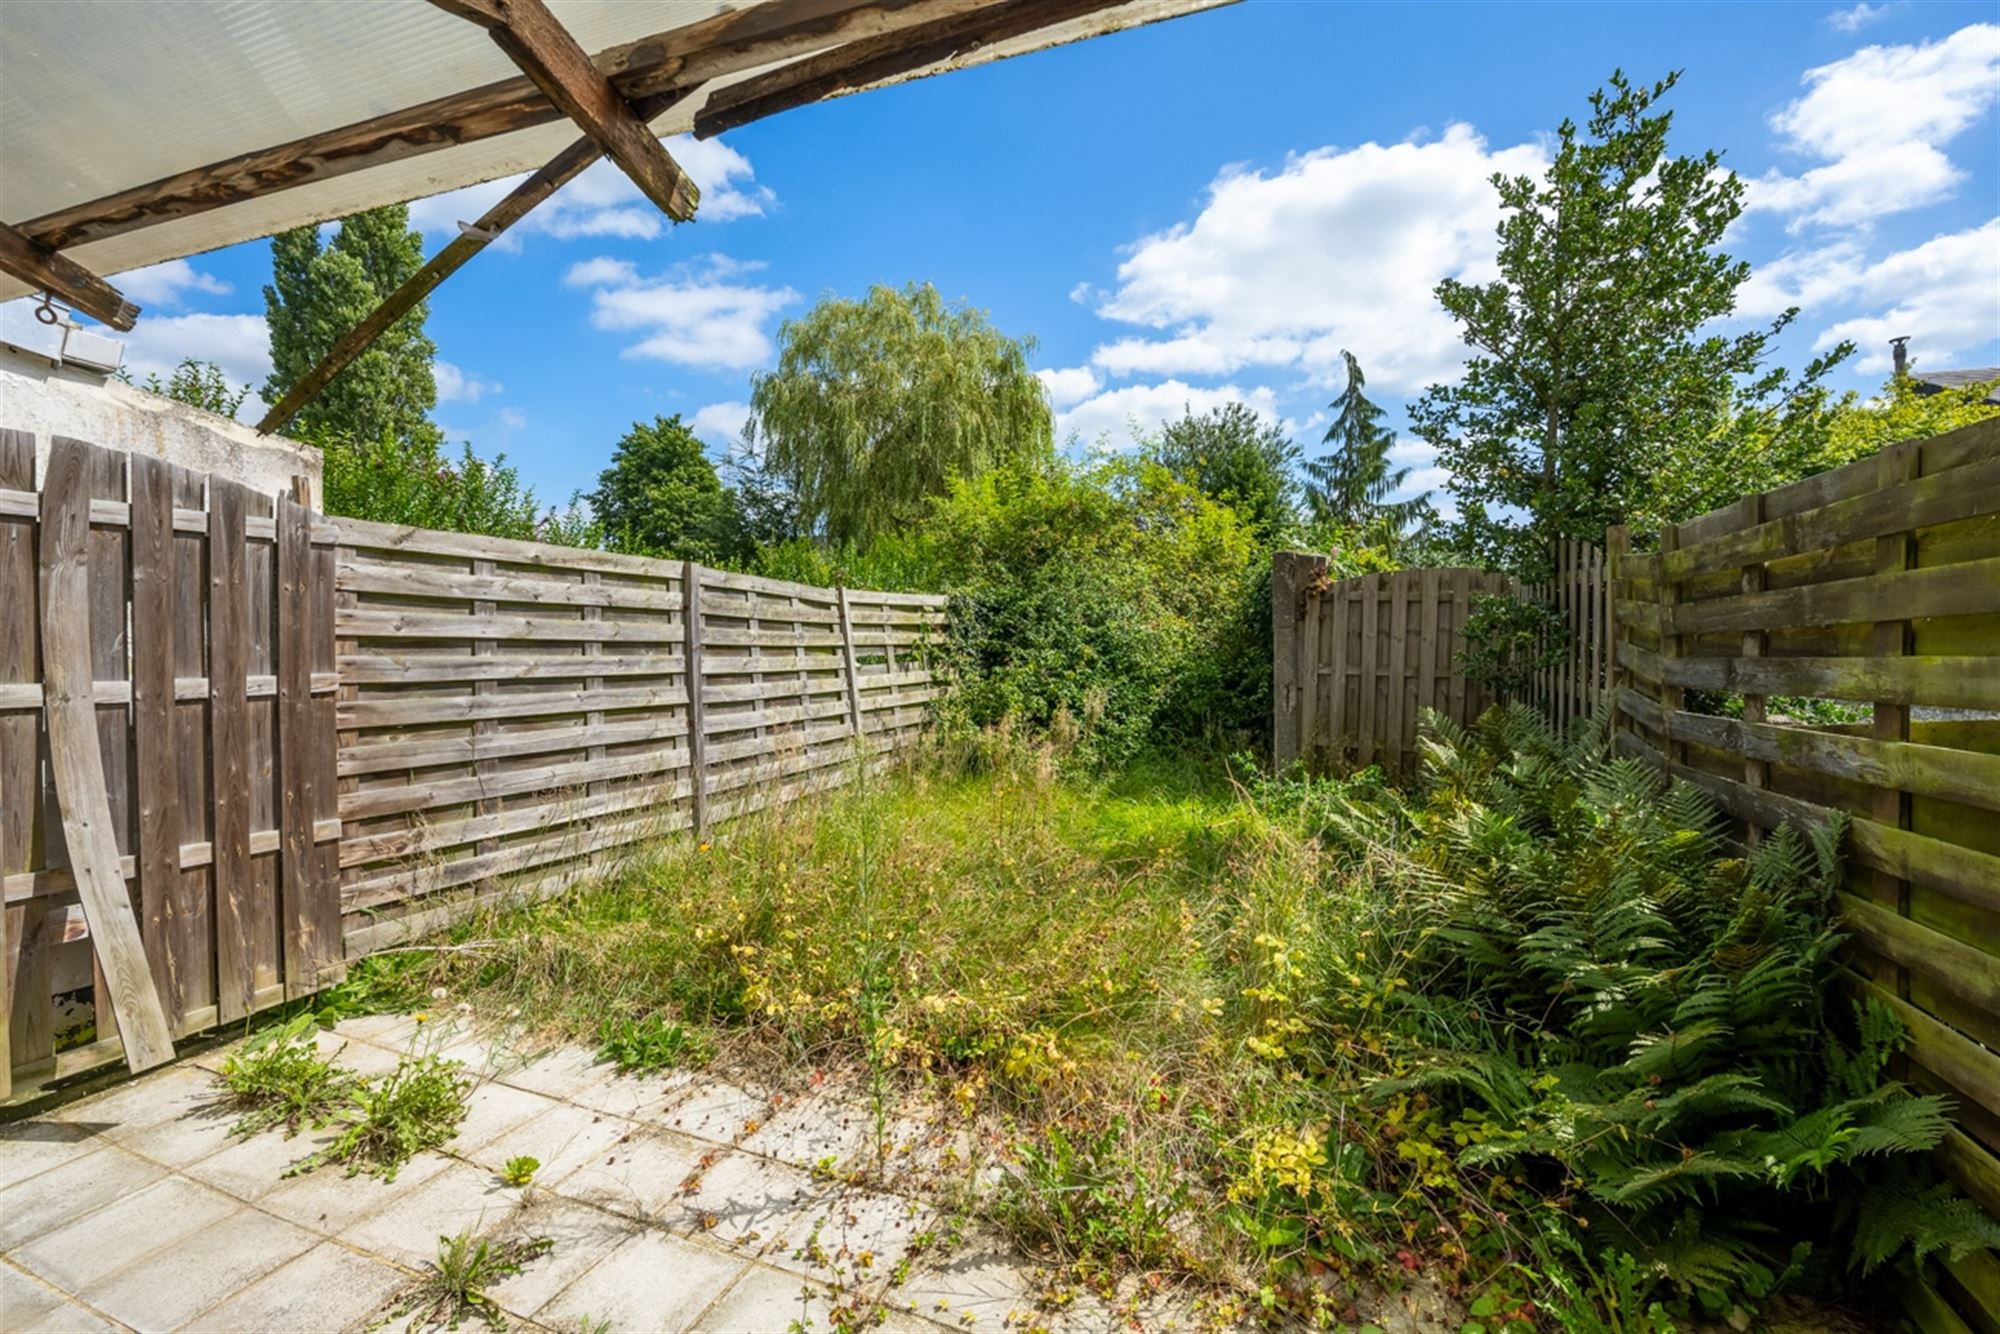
<point x="27" y="1033"/>
<point x="847" y="663"/>
<point x="153" y="615"/>
<point x="691" y="673"/>
<point x="1754" y="578"/>
<point x="1312" y="617"/>
<point x="1890" y="806"/>
<point x="1672" y="697"/>
<point x="229" y="737"/>
<point x="1291" y="573"/>
<point x="1617" y="545"/>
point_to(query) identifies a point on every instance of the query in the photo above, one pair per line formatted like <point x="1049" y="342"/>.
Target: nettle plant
<point x="1644" y="1024"/>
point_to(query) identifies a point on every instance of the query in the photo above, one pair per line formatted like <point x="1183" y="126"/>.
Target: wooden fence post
<point x="1894" y="552"/>
<point x="1291" y="573"/>
<point x="1754" y="578"/>
<point x="691" y="673"/>
<point x="153" y="616"/>
<point x="229" y="739"/>
<point x="1672" y="697"/>
<point x="847" y="664"/>
<point x="1617" y="546"/>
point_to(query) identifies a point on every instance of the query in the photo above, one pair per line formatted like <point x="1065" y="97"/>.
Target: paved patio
<point x="674" y="1204"/>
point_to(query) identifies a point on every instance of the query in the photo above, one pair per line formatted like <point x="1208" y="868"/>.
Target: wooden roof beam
<point x="534" y="39"/>
<point x="871" y="61"/>
<point x="58" y="275"/>
<point x="565" y="167"/>
<point x="679" y="60"/>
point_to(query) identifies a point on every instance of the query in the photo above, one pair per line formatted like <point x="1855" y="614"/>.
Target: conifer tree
<point x="1349" y="486"/>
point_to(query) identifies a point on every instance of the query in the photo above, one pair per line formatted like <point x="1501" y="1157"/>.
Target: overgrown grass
<point x="1239" y="1034"/>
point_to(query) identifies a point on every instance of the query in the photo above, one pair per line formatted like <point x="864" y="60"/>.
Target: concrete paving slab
<point x="252" y="1166"/>
<point x="714" y="1109"/>
<point x="189" y="1137"/>
<point x="48" y="1201"/>
<point x="580" y="1237"/>
<point x="979" y="1284"/>
<point x="328" y="1200"/>
<point x="327" y="1288"/>
<point x="564" y="1138"/>
<point x="640" y="1176"/>
<point x="633" y="1096"/>
<point x="164" y="1214"/>
<point x="809" y="1131"/>
<point x="762" y="1301"/>
<point x="25" y="1299"/>
<point x="167" y="1290"/>
<point x="561" y="1073"/>
<point x="71" y="1318"/>
<point x="743" y="1200"/>
<point x="653" y="1282"/>
<point x="460" y="1199"/>
<point x="31" y="1147"/>
<point x="133" y="1106"/>
<point x="860" y="1235"/>
<point x="494" y="1110"/>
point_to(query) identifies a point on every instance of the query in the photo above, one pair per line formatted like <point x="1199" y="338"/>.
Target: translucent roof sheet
<point x="98" y="96"/>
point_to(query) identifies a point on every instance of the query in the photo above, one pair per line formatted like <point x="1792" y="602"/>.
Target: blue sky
<point x="1206" y="209"/>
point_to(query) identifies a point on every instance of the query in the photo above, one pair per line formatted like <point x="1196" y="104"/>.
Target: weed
<point x="279" y="1078"/>
<point x="465" y="1267"/>
<point x="1088" y="1199"/>
<point x="650" y="1044"/>
<point x="415" y="1107"/>
<point x="520" y="1170"/>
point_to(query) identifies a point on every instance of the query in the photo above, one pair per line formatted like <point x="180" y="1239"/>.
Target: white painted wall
<point x="49" y="400"/>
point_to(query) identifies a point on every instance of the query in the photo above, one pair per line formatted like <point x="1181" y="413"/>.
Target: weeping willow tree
<point x="875" y="405"/>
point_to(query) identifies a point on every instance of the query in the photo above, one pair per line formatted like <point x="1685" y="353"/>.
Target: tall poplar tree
<point x="320" y="291"/>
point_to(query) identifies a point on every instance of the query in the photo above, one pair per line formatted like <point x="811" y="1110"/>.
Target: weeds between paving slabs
<point x="456" y="1285"/>
<point x="1526" y="1032"/>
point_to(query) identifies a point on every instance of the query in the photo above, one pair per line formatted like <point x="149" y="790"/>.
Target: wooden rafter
<point x="562" y="169"/>
<point x="864" y="63"/>
<point x="58" y="275"/>
<point x="675" y="61"/>
<point x="534" y="39"/>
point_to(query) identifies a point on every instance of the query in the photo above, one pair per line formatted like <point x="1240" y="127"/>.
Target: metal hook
<point x="46" y="312"/>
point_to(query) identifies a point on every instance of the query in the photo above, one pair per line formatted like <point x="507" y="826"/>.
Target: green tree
<point x="661" y="496"/>
<point x="1858" y="427"/>
<point x="1596" y="378"/>
<point x="1348" y="487"/>
<point x="319" y="292"/>
<point x="875" y="405"/>
<point x="1235" y="458"/>
<point x="412" y="482"/>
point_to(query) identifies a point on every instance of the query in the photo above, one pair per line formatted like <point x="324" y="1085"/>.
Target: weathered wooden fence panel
<point x="1354" y="661"/>
<point x="512" y="715"/>
<point x="246" y="742"/>
<point x="1570" y="685"/>
<point x="1879" y="585"/>
<point x="172" y="866"/>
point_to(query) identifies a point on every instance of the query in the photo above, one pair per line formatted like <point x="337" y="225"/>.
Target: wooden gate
<point x="167" y="797"/>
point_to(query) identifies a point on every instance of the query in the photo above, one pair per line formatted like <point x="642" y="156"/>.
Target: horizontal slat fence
<point x="1356" y="660"/>
<point x="512" y="715"/>
<point x="241" y="743"/>
<point x="1877" y="584"/>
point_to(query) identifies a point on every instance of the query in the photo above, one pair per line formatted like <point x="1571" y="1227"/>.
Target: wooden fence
<point x="241" y="743"/>
<point x="1354" y="660"/>
<point x="1877" y="584"/>
<point x="1575" y="655"/>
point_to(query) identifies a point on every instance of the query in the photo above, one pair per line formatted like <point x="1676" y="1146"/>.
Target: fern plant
<point x="1659" y="1048"/>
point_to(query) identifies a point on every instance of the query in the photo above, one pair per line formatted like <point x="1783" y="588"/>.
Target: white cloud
<point x="602" y="201"/>
<point x="513" y="418"/>
<point x="164" y="284"/>
<point x="1879" y="120"/>
<point x="1857" y="17"/>
<point x="695" y="316"/>
<point x="1114" y="419"/>
<point x="1070" y="385"/>
<point x="456" y="386"/>
<point x="1807" y="279"/>
<point x="239" y="344"/>
<point x="1341" y="248"/>
<point x="599" y="272"/>
<point x="1944" y="293"/>
<point x="720" y="423"/>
